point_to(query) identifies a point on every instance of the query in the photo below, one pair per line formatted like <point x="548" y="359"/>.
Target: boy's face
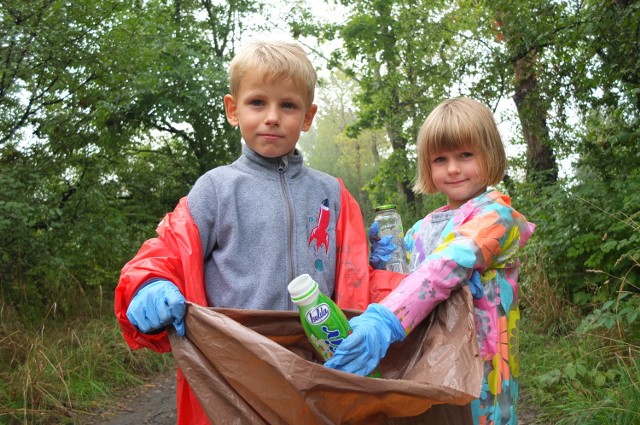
<point x="271" y="114"/>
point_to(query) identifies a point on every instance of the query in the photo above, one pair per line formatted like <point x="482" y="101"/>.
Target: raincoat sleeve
<point x="478" y="237"/>
<point x="357" y="283"/>
<point x="176" y="255"/>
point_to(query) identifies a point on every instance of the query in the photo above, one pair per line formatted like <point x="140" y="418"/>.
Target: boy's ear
<point x="308" y="117"/>
<point x="231" y="109"/>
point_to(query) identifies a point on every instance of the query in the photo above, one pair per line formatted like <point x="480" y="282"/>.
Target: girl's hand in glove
<point x="372" y="334"/>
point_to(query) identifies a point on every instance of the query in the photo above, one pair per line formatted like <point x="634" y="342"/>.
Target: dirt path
<point x="153" y="403"/>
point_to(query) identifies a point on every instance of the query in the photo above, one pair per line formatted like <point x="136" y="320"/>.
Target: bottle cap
<point x="385" y="207"/>
<point x="302" y="288"/>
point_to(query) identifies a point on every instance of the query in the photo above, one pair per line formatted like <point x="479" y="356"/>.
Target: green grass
<point x="50" y="373"/>
<point x="581" y="378"/>
<point x="579" y="364"/>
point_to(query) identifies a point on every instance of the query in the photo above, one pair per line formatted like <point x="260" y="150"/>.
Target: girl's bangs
<point x="451" y="139"/>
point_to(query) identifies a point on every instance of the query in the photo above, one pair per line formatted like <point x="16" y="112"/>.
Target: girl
<point x="460" y="154"/>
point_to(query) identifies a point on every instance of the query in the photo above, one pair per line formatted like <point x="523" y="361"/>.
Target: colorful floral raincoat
<point x="484" y="234"/>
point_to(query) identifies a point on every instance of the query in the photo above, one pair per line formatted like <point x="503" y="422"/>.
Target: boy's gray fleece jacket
<point x="262" y="222"/>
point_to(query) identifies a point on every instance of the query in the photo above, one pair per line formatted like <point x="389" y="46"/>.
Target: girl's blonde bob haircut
<point x="457" y="124"/>
<point x="274" y="60"/>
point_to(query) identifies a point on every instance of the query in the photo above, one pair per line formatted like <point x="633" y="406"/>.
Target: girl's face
<point x="457" y="174"/>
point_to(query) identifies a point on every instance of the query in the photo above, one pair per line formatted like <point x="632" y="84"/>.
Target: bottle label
<point x="333" y="338"/>
<point x="318" y="315"/>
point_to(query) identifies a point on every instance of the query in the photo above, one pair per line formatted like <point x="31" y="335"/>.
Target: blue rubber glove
<point x="381" y="248"/>
<point x="156" y="306"/>
<point x="372" y="334"/>
<point x="476" y="285"/>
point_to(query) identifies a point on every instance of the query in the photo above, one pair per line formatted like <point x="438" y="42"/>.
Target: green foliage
<point x="619" y="316"/>
<point x="589" y="376"/>
<point x="327" y="148"/>
<point x="110" y="111"/>
<point x="591" y="241"/>
<point x="385" y="188"/>
<point x="607" y="35"/>
<point x="575" y="383"/>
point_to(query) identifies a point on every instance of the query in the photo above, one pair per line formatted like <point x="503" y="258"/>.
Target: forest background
<point x="110" y="110"/>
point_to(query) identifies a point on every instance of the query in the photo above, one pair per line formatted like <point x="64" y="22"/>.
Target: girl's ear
<point x="231" y="109"/>
<point x="308" y="117"/>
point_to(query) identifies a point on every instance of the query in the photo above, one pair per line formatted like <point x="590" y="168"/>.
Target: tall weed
<point x="57" y="369"/>
<point x="592" y="374"/>
<point x="542" y="301"/>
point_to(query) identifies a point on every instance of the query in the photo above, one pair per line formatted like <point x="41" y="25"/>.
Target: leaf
<point x="609" y="322"/>
<point x="570" y="370"/>
<point x="611" y="374"/>
<point x="607" y="304"/>
<point x="549" y="378"/>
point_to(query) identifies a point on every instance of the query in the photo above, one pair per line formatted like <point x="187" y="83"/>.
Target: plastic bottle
<point x="323" y="321"/>
<point x="390" y="223"/>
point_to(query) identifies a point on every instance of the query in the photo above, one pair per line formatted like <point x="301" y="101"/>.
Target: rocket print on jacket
<point x="319" y="233"/>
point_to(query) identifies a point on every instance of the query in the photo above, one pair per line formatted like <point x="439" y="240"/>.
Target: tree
<point x="399" y="55"/>
<point x="526" y="37"/>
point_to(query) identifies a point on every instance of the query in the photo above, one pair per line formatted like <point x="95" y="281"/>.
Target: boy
<point x="246" y="230"/>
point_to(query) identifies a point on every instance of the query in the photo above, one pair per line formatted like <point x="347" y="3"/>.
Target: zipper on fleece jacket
<point x="289" y="209"/>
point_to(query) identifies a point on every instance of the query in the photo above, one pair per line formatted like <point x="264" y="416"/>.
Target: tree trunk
<point x="399" y="146"/>
<point x="532" y="110"/>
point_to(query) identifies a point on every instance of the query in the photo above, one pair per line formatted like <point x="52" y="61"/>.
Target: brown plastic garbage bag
<point x="257" y="367"/>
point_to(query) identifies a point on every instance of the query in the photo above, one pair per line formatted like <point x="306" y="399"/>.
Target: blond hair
<point x="455" y="124"/>
<point x="274" y="60"/>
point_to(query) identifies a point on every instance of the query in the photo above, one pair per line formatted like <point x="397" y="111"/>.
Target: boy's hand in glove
<point x="372" y="334"/>
<point x="156" y="306"/>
